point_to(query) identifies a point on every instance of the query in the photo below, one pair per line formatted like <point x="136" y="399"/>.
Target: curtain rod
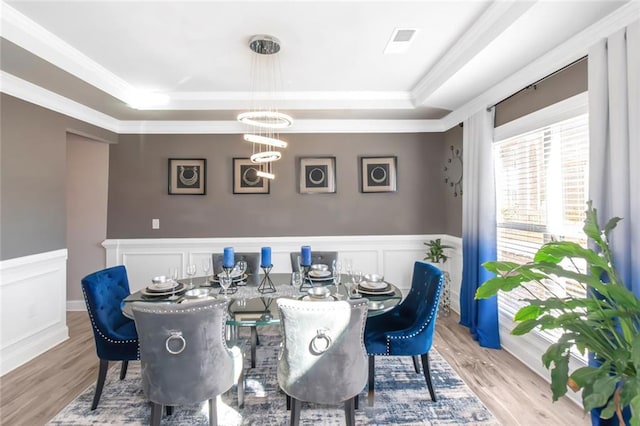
<point x="535" y="83"/>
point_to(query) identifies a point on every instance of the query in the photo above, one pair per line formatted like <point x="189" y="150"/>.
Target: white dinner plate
<point x="308" y="298"/>
<point x="161" y="287"/>
<point x="374" y="286"/>
<point x="169" y="292"/>
<point x="384" y="292"/>
<point x="233" y="278"/>
<point x="319" y="274"/>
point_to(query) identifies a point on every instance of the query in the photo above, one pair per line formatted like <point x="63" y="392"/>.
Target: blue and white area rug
<point x="401" y="398"/>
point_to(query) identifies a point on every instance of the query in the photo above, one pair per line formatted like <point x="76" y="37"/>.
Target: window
<point x="541" y="194"/>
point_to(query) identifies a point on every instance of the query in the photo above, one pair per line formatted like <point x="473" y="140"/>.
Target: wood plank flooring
<point x="33" y="393"/>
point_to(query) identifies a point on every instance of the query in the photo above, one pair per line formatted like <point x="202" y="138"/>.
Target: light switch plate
<point x="155" y="223"/>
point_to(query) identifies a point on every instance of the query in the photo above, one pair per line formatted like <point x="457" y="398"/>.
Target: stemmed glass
<point x="347" y="287"/>
<point x="356" y="278"/>
<point x="173" y="273"/>
<point x="242" y="267"/>
<point x="225" y="283"/>
<point x="206" y="267"/>
<point x="191" y="271"/>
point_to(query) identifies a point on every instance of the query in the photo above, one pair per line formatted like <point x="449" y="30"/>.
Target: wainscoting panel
<point x="33" y="300"/>
<point x="390" y="255"/>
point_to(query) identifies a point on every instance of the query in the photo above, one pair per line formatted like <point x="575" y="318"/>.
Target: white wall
<point x="32" y="297"/>
<point x="391" y="255"/>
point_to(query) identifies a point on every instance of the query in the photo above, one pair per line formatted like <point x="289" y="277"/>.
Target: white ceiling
<point x="332" y="60"/>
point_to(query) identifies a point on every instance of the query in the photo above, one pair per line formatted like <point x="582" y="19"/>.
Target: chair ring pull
<point x="177" y="335"/>
<point x="320" y="342"/>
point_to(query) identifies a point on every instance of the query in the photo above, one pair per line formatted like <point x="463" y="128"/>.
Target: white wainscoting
<point x="33" y="294"/>
<point x="391" y="255"/>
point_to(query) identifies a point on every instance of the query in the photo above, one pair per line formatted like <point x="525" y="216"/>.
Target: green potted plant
<point x="605" y="322"/>
<point x="436" y="254"/>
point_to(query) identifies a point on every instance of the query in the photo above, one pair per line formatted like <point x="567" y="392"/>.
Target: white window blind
<point x="541" y="194"/>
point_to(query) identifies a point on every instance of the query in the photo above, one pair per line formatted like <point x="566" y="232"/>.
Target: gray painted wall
<point x="87" y="189"/>
<point x="453" y="205"/>
<point x="138" y="188"/>
<point x="32" y="176"/>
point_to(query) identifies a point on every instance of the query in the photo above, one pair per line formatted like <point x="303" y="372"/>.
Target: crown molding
<point x="498" y="17"/>
<point x="22" y="89"/>
<point x="288" y="100"/>
<point x="567" y="52"/>
<point x="300" y="126"/>
<point x="22" y="31"/>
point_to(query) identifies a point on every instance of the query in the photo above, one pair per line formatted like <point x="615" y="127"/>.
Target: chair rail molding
<point x="391" y="255"/>
<point x="33" y="293"/>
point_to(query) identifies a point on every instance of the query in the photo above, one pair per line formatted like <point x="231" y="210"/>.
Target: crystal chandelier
<point x="264" y="120"/>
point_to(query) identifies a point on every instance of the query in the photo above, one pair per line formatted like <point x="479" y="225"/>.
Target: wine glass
<point x="191" y="271"/>
<point x="356" y="279"/>
<point x="173" y="273"/>
<point x="242" y="267"/>
<point x="225" y="283"/>
<point x="348" y="267"/>
<point x="206" y="267"/>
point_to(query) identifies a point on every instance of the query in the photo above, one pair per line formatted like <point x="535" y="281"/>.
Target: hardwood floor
<point x="33" y="393"/>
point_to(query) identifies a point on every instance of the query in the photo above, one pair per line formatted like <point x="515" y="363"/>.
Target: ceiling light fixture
<point x="264" y="120"/>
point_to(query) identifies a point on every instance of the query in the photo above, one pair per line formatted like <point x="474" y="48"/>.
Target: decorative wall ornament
<point x="246" y="179"/>
<point x="317" y="175"/>
<point x="187" y="176"/>
<point x="378" y="174"/>
<point x="453" y="171"/>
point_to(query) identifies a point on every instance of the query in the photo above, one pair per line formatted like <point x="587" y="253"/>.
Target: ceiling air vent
<point x="400" y="40"/>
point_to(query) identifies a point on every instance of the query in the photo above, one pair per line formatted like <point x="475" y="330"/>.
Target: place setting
<point x="163" y="286"/>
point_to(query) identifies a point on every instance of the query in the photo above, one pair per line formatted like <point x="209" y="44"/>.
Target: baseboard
<point x="76" y="305"/>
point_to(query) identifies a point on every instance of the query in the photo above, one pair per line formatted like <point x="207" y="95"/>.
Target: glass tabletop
<point x="248" y="307"/>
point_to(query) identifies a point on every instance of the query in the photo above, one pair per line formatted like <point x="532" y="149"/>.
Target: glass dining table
<point x="249" y="307"/>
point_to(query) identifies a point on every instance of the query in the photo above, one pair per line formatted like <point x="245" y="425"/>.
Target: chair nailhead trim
<point x="426" y="323"/>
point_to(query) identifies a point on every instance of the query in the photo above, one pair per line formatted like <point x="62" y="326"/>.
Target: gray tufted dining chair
<point x="322" y="358"/>
<point x="184" y="356"/>
<point x="323" y="257"/>
<point x="253" y="265"/>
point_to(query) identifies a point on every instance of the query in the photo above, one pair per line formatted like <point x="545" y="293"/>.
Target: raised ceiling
<point x="98" y="57"/>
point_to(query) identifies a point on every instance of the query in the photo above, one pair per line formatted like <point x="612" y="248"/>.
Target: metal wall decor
<point x="187" y="176"/>
<point x="246" y="179"/>
<point x="453" y="171"/>
<point x="317" y="175"/>
<point x="378" y="174"/>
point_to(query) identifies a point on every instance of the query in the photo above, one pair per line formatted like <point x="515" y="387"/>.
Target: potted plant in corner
<point x="436" y="255"/>
<point x="605" y="322"/>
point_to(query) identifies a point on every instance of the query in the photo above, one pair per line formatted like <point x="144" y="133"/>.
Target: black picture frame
<point x="245" y="181"/>
<point x="378" y="174"/>
<point x="187" y="176"/>
<point x="317" y="175"/>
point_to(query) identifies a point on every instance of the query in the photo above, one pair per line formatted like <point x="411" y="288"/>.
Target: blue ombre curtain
<point x="478" y="228"/>
<point x="614" y="158"/>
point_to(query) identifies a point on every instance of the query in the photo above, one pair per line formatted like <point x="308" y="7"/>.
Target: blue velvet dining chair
<point x="114" y="334"/>
<point x="408" y="328"/>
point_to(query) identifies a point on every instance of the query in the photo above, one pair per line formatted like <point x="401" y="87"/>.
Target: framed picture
<point x="187" y="176"/>
<point x="317" y="175"/>
<point x="378" y="174"/>
<point x="246" y="179"/>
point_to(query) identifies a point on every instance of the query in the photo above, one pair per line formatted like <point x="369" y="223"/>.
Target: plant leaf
<point x="527" y="313"/>
<point x="586" y="375"/>
<point x="524" y="327"/>
<point x="603" y="388"/>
